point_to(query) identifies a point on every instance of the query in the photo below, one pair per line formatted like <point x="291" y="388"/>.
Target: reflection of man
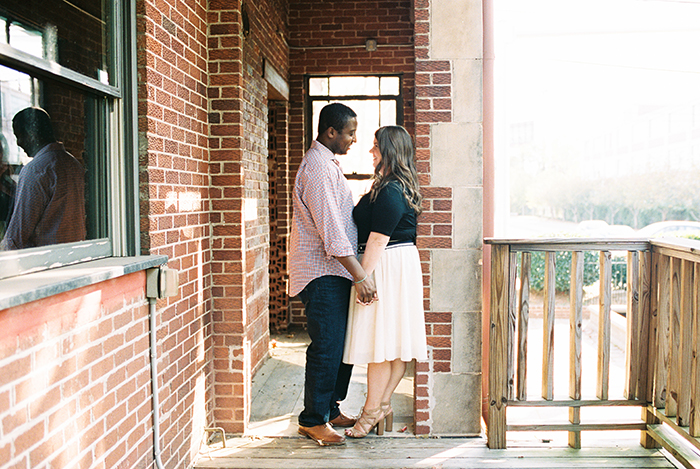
<point x="7" y="187"/>
<point x="50" y="199"/>
<point x="322" y="268"/>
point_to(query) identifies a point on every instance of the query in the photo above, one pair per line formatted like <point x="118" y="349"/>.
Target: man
<point x="323" y="268"/>
<point x="7" y="187"/>
<point x="50" y="199"/>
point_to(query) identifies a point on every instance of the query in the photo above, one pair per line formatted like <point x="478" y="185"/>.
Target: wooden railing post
<point x="575" y="326"/>
<point x="647" y="326"/>
<point x="662" y="330"/>
<point x="512" y="319"/>
<point x="632" y="340"/>
<point x="523" y="319"/>
<point x="550" y="268"/>
<point x="674" y="357"/>
<point x="604" y="325"/>
<point x="695" y="364"/>
<point x="498" y="346"/>
<point x="648" y="308"/>
<point x="686" y="335"/>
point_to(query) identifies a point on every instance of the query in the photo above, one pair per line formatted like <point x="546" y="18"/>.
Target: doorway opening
<point x="278" y="386"/>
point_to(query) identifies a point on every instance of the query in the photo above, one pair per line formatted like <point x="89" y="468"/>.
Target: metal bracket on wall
<point x="162" y="282"/>
<point x="217" y="430"/>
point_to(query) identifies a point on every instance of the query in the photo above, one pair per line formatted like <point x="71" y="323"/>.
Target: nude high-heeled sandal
<point x="366" y="422"/>
<point x="388" y="415"/>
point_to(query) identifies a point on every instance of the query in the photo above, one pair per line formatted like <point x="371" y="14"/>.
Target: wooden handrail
<point x="662" y="367"/>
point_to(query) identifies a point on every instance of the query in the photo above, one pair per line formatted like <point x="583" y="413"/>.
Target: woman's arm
<point x="373" y="251"/>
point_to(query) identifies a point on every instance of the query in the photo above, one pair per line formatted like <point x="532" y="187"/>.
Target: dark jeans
<point x="326" y="301"/>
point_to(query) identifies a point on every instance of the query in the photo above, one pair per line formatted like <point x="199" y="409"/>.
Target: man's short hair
<point x="34" y="121"/>
<point x="334" y="115"/>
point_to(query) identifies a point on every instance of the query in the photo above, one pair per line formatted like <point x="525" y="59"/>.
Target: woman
<point x="388" y="333"/>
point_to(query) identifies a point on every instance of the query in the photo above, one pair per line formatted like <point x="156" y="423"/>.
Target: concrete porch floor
<point x="278" y="391"/>
<point x="272" y="440"/>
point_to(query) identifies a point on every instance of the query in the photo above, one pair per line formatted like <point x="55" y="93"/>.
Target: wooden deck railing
<point x="662" y="367"/>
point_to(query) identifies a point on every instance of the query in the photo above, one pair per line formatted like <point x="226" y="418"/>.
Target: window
<point x="75" y="60"/>
<point x="377" y="101"/>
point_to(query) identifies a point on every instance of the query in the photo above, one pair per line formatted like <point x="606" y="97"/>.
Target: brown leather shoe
<point x="343" y="420"/>
<point x="324" y="435"/>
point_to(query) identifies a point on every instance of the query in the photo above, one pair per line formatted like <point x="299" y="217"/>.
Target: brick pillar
<point x="226" y="170"/>
<point x="238" y="99"/>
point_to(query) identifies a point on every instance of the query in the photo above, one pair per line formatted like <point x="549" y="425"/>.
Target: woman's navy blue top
<point x="389" y="215"/>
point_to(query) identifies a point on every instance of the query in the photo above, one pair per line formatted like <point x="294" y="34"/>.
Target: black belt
<point x="392" y="243"/>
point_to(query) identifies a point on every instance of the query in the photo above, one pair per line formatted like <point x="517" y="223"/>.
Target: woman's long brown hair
<point x="397" y="164"/>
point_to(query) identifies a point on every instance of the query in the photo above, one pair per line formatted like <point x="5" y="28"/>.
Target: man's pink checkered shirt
<point x="322" y="224"/>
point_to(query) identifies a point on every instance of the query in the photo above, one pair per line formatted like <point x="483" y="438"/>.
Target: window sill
<point x="19" y="290"/>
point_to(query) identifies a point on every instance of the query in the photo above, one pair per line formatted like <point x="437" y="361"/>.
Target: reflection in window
<point x="59" y="55"/>
<point x="33" y="216"/>
<point x="73" y="34"/>
<point x="377" y="102"/>
<point x="22" y="38"/>
<point x="17" y="91"/>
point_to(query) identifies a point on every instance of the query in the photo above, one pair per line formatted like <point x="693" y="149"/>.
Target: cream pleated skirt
<point x="394" y="326"/>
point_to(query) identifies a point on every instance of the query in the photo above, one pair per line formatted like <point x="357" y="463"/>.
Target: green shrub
<point x="619" y="273"/>
<point x="563" y="270"/>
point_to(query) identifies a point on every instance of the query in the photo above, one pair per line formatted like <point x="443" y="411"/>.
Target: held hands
<point x="366" y="291"/>
<point x="364" y="283"/>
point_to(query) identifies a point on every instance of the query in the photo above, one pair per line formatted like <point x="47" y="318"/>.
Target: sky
<point x="587" y="64"/>
<point x="577" y="67"/>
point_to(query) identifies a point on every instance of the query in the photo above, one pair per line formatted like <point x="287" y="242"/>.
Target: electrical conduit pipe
<point x="160" y="283"/>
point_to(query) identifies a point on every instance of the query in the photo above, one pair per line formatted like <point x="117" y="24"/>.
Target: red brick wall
<point x="315" y="27"/>
<point x="175" y="221"/>
<point x="67" y="110"/>
<point x="240" y="218"/>
<point x="75" y="379"/>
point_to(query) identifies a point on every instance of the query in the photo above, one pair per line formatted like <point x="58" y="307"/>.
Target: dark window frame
<point x="310" y="133"/>
<point x="115" y="114"/>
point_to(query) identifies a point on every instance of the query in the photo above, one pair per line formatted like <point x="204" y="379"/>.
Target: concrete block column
<point x="455" y="166"/>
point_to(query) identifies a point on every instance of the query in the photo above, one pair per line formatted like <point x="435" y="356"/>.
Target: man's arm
<point x="324" y="210"/>
<point x="366" y="290"/>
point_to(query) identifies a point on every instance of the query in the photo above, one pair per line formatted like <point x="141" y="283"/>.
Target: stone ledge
<point x="23" y="289"/>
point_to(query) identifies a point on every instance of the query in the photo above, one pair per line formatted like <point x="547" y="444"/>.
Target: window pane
<point x="37" y="210"/>
<point x="388" y="116"/>
<point x="316" y="110"/>
<point x="371" y="114"/>
<point x="26" y="40"/>
<point x="354" y="86"/>
<point x="73" y="34"/>
<point x="358" y="160"/>
<point x="389" y="86"/>
<point x="318" y="86"/>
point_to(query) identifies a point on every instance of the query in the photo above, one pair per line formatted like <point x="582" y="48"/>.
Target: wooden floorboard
<point x="272" y="442"/>
<point x="394" y="453"/>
